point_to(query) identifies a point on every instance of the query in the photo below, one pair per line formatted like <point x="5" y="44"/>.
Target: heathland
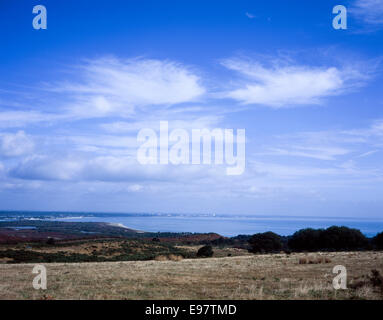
<point x="101" y="261"/>
<point x="263" y="276"/>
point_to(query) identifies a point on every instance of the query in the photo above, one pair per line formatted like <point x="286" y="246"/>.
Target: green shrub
<point x="332" y="238"/>
<point x="378" y="241"/>
<point x="265" y="242"/>
<point x="306" y="239"/>
<point x="205" y="251"/>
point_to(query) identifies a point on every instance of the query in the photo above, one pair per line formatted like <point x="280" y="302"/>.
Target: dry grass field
<point x="276" y="276"/>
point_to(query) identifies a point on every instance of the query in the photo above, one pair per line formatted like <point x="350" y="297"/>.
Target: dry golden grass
<point x="174" y="257"/>
<point x="276" y="276"/>
<point x="161" y="258"/>
<point x="218" y="252"/>
<point x="171" y="257"/>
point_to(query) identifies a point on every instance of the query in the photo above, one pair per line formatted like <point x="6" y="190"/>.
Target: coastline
<point x="120" y="225"/>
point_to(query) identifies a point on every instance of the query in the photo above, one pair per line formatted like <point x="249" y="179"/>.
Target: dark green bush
<point x="340" y="238"/>
<point x="332" y="238"/>
<point x="265" y="242"/>
<point x="306" y="239"/>
<point x="205" y="251"/>
<point x="378" y="241"/>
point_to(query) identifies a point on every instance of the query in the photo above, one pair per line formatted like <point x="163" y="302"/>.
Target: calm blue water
<point x="223" y="224"/>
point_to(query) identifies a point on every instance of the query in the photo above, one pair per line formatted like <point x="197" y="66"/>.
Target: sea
<point x="225" y="225"/>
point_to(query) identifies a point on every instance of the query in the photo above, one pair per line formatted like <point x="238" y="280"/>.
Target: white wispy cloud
<point x="110" y="85"/>
<point x="129" y="95"/>
<point x="187" y="123"/>
<point x="105" y="168"/>
<point x="2" y="171"/>
<point x="331" y="145"/>
<point x="285" y="85"/>
<point x="375" y="130"/>
<point x="285" y="171"/>
<point x="369" y="12"/>
<point x="22" y="118"/>
<point x="314" y="152"/>
<point x="15" y="144"/>
<point x="368" y="153"/>
<point x="47" y="168"/>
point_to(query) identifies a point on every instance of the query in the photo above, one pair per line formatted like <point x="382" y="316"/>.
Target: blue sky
<point x="73" y="98"/>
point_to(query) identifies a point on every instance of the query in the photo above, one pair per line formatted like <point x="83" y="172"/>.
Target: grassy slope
<point x="88" y="251"/>
<point x="275" y="276"/>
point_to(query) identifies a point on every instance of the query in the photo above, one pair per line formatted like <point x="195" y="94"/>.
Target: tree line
<point x="331" y="239"/>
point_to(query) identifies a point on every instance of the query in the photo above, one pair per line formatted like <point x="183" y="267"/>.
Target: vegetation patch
<point x="92" y="251"/>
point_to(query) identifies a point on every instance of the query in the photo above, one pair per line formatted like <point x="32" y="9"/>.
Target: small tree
<point x="306" y="239"/>
<point x="343" y="238"/>
<point x="378" y="241"/>
<point x="332" y="238"/>
<point x="205" y="251"/>
<point x="265" y="242"/>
